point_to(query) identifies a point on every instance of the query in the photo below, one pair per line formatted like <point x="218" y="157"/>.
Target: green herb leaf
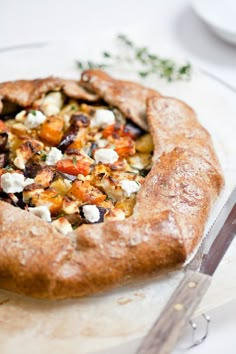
<point x="147" y="63"/>
<point x="106" y="55"/>
<point x="8" y="168"/>
<point x="43" y="155"/>
<point x="33" y="111"/>
<point x="59" y="216"/>
<point x="74" y="227"/>
<point x="125" y="40"/>
<point x="143" y="73"/>
<point x="144" y="172"/>
<point x="74" y="159"/>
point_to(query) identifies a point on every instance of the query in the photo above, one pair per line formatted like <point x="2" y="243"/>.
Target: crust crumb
<point x="139" y="294"/>
<point x="124" y="300"/>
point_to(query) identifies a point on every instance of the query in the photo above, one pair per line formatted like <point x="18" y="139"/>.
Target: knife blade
<point x="165" y="332"/>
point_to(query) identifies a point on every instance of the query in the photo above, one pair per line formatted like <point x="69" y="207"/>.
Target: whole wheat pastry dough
<point x="169" y="216"/>
<point x="129" y="97"/>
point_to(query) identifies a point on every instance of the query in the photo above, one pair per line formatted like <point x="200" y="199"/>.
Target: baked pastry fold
<point x="169" y="216"/>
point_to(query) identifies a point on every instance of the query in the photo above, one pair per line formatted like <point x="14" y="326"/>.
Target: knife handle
<point x="165" y="332"/>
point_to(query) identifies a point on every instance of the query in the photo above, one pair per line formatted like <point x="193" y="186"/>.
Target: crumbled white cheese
<point x="12" y="182"/>
<point x="20" y="116"/>
<point x="102" y="143"/>
<point x="106" y="156"/>
<point x="129" y="187"/>
<point x="52" y="103"/>
<point x="91" y="213"/>
<point x="42" y="212"/>
<point x="54" y="156"/>
<point x="28" y="181"/>
<point x="102" y="118"/>
<point x="62" y="225"/>
<point x="34" y="119"/>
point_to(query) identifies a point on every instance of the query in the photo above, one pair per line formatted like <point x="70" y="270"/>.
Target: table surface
<point x="24" y="22"/>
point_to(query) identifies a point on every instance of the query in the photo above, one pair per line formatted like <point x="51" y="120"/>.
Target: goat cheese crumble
<point x="129" y="187"/>
<point x="34" y="119"/>
<point x="106" y="156"/>
<point x="91" y="213"/>
<point x="53" y="156"/>
<point x="42" y="212"/>
<point x="102" y="143"/>
<point x="12" y="182"/>
<point x="28" y="181"/>
<point x="102" y="118"/>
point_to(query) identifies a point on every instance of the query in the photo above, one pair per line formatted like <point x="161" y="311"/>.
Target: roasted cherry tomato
<point x="74" y="166"/>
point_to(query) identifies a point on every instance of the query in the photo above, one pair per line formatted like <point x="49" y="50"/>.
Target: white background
<point x="26" y="21"/>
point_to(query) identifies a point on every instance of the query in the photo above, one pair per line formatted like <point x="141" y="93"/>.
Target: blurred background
<point x="171" y="22"/>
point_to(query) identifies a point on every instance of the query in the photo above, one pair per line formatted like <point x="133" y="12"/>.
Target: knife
<point x="165" y="332"/>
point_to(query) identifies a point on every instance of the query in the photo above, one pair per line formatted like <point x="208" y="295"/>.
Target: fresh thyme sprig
<point x="145" y="62"/>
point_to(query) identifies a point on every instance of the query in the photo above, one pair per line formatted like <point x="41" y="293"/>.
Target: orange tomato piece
<point x="52" y="130"/>
<point x="124" y="147"/>
<point x="74" y="167"/>
<point x="118" y="129"/>
<point x="113" y="130"/>
<point x="86" y="193"/>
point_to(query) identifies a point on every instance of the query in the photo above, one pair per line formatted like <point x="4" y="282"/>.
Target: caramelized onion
<point x="3" y="141"/>
<point x="4" y="159"/>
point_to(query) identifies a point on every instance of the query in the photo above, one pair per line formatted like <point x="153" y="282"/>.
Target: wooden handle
<point x="165" y="332"/>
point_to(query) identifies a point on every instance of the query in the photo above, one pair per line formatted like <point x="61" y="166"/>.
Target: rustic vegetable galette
<point x="101" y="181"/>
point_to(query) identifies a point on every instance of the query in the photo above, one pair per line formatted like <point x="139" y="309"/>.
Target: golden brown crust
<point x="185" y="184"/>
<point x="30" y="251"/>
<point x="25" y="92"/>
<point x="171" y="210"/>
<point x="129" y="97"/>
<point x="40" y="262"/>
<point x="187" y="177"/>
<point x="177" y="126"/>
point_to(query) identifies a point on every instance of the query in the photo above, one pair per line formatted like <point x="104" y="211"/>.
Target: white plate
<point x="112" y="318"/>
<point x="220" y="16"/>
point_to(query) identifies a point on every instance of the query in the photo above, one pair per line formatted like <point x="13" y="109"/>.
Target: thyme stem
<point x="146" y="62"/>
